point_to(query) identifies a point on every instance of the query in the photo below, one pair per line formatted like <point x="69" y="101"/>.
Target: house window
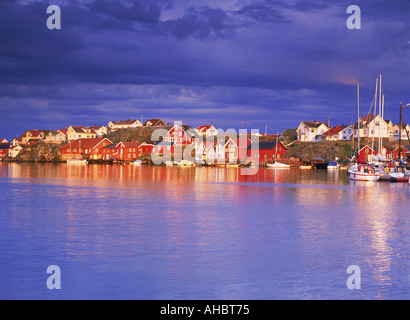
<point x="168" y="148"/>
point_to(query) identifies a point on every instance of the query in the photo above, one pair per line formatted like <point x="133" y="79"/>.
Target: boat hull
<point x="357" y="176"/>
<point x="278" y="165"/>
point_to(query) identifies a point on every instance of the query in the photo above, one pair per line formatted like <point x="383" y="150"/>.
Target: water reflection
<point x="208" y="232"/>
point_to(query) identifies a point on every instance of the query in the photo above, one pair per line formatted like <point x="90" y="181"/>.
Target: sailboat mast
<point x="375" y="109"/>
<point x="380" y="111"/>
<point x="358" y="118"/>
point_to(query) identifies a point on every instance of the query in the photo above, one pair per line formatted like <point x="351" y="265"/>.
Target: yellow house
<point x="57" y="137"/>
<point x="32" y="135"/>
<point x="74" y="133"/>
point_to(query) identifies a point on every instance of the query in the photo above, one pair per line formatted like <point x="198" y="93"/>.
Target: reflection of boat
<point x="76" y="161"/>
<point x="333" y="165"/>
<point x="278" y="165"/>
<point x="363" y="172"/>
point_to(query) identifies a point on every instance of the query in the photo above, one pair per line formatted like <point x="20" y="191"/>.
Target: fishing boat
<point x="333" y="165"/>
<point x="363" y="172"/>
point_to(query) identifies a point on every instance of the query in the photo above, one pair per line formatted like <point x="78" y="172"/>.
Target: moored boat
<point x="363" y="172"/>
<point x="333" y="165"/>
<point x="278" y="165"/>
<point x="76" y="161"/>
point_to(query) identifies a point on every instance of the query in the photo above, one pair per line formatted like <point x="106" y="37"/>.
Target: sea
<point x="197" y="233"/>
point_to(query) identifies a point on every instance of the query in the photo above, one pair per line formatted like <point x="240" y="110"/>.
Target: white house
<point x="14" y="151"/>
<point x="206" y="131"/>
<point x="310" y="131"/>
<point x="396" y="130"/>
<point x="338" y="133"/>
<point x="124" y="124"/>
<point x="372" y="127"/>
<point x="74" y="133"/>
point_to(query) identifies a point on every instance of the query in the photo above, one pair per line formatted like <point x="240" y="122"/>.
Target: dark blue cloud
<point x="266" y="61"/>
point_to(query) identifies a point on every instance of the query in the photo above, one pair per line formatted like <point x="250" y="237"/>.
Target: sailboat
<point x="276" y="164"/>
<point x="357" y="171"/>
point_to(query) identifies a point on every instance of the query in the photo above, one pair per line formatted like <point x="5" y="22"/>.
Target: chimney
<point x="315" y="121"/>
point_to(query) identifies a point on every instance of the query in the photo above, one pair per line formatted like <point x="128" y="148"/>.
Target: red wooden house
<point x="263" y="152"/>
<point x="85" y="148"/>
<point x="126" y="151"/>
<point x="179" y="134"/>
<point x="386" y="152"/>
<point x="236" y="150"/>
<point x="164" y="147"/>
<point x="365" y="154"/>
<point x="404" y="150"/>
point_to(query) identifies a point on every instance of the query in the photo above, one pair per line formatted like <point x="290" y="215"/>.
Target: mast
<point x="358" y="119"/>
<point x="375" y="108"/>
<point x="401" y="119"/>
<point x="276" y="147"/>
<point x="380" y="112"/>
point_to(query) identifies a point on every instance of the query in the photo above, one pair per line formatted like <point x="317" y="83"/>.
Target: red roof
<point x="85" y="143"/>
<point x="334" y="130"/>
<point x="134" y="144"/>
<point x="34" y="133"/>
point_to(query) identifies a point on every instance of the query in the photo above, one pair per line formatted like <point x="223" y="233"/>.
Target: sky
<point x="268" y="63"/>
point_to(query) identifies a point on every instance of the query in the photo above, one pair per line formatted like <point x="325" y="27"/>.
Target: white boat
<point x="137" y="163"/>
<point x="169" y="163"/>
<point x="185" y="163"/>
<point x="363" y="172"/>
<point x="76" y="161"/>
<point x="278" y="165"/>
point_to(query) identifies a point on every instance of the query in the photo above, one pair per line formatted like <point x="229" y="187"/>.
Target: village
<point x="127" y="141"/>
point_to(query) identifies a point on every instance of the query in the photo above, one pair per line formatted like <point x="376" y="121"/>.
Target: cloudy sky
<point x="267" y="62"/>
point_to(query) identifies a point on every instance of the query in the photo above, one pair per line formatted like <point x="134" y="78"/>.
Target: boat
<point x="169" y="163"/>
<point x="363" y="172"/>
<point x="400" y="179"/>
<point x="137" y="163"/>
<point x="333" y="165"/>
<point x="185" y="163"/>
<point x="76" y="161"/>
<point x="305" y="167"/>
<point x="233" y="165"/>
<point x="278" y="165"/>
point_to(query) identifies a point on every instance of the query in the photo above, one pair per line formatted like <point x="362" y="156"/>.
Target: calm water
<point x="125" y="232"/>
